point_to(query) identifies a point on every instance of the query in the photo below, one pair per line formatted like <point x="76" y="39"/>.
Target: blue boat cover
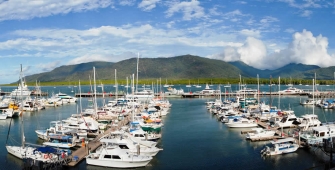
<point x="46" y="149"/>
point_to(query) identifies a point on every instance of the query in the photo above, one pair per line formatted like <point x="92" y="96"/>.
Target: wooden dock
<point x="82" y="152"/>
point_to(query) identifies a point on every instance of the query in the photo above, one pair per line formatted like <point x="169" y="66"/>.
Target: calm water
<point x="192" y="137"/>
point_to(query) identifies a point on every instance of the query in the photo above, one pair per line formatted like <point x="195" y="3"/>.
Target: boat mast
<point x="313" y="96"/>
<point x="279" y="93"/>
<point x="132" y="91"/>
<point x="257" y="88"/>
<point x="21" y="105"/>
<point x="95" y="92"/>
<point x="81" y="107"/>
<point x="138" y="56"/>
<point x="116" y="86"/>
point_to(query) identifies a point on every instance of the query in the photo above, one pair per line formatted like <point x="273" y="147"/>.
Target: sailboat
<point x="44" y="154"/>
<point x="189" y="84"/>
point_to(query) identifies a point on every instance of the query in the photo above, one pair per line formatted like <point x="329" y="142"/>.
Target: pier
<point x="83" y="151"/>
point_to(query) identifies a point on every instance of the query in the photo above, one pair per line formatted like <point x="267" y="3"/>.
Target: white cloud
<point x="127" y="2"/>
<point x="190" y="10"/>
<point x="250" y="33"/>
<point x="290" y="30"/>
<point x="304" y="4"/>
<point x="306" y="13"/>
<point x="304" y="48"/>
<point x="268" y="19"/>
<point x="49" y="66"/>
<point x="148" y="5"/>
<point x="27" y="9"/>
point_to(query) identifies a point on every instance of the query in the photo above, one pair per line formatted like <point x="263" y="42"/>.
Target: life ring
<point x="46" y="156"/>
<point x="50" y="156"/>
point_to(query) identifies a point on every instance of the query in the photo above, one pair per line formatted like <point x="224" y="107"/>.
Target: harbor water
<point x="192" y="138"/>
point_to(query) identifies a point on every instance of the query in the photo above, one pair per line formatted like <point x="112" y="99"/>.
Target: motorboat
<point x="21" y="90"/>
<point x="280" y="146"/>
<point x="66" y="98"/>
<point x="291" y="91"/>
<point x="308" y="120"/>
<point x="61" y="141"/>
<point x="241" y="123"/>
<point x="260" y="133"/>
<point x="288" y="119"/>
<point x="308" y="102"/>
<point x="3" y="116"/>
<point x="316" y="135"/>
<point x="116" y="158"/>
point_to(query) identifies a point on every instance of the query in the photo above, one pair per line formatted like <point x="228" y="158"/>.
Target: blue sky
<point x="266" y="34"/>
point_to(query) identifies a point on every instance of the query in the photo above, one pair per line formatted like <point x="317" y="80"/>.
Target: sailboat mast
<point x="21" y="105"/>
<point x="138" y="56"/>
<point x="95" y="92"/>
<point x="279" y="92"/>
<point x="257" y="88"/>
<point x="116" y="86"/>
<point x="313" y="96"/>
<point x="133" y="99"/>
<point x="81" y="107"/>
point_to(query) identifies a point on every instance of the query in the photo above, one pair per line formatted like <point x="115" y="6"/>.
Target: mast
<point x="313" y="96"/>
<point x="22" y="129"/>
<point x="257" y="88"/>
<point x="270" y="91"/>
<point x="132" y="91"/>
<point x="279" y="92"/>
<point x="138" y="56"/>
<point x="116" y="86"/>
<point x="95" y="92"/>
<point x="81" y="107"/>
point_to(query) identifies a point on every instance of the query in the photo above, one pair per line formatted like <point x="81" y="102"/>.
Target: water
<point x="192" y="138"/>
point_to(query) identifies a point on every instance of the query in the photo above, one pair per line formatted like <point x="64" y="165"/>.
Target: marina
<point x="179" y="122"/>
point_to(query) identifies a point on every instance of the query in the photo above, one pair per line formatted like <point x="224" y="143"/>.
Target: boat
<point x="189" y="84"/>
<point x="308" y="102"/>
<point x="116" y="158"/>
<point x="227" y="85"/>
<point x="3" y="116"/>
<point x="21" y="90"/>
<point x="66" y="98"/>
<point x="247" y="90"/>
<point x="308" y="120"/>
<point x="209" y="90"/>
<point x="288" y="119"/>
<point x="43" y="154"/>
<point x="260" y="133"/>
<point x="280" y="146"/>
<point x="56" y="128"/>
<point x="241" y="123"/>
<point x="61" y="141"/>
<point x="316" y="135"/>
<point x="291" y="91"/>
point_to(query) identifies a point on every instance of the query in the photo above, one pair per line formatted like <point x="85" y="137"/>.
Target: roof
<point x="283" y="140"/>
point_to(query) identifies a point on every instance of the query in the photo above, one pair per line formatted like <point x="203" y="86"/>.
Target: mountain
<point x="179" y="67"/>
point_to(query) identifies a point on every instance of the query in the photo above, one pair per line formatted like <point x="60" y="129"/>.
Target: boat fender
<point x="50" y="156"/>
<point x="46" y="156"/>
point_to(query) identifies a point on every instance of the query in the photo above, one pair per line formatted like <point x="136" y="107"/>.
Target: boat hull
<point x="116" y="164"/>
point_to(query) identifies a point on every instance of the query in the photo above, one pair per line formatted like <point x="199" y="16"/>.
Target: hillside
<point x="179" y="67"/>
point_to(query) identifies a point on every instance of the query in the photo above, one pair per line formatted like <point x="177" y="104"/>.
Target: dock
<point x="83" y="151"/>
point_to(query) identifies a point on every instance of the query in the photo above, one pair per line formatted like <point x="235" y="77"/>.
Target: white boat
<point x="316" y="135"/>
<point x="308" y="102"/>
<point x="116" y="158"/>
<point x="241" y="123"/>
<point x="66" y="98"/>
<point x="61" y="141"/>
<point x="308" y="120"/>
<point x="3" y="116"/>
<point x="209" y="90"/>
<point x="247" y="90"/>
<point x="287" y="120"/>
<point x="22" y="89"/>
<point x="56" y="128"/>
<point x="290" y="91"/>
<point x="144" y="95"/>
<point x="260" y="133"/>
<point x="281" y="146"/>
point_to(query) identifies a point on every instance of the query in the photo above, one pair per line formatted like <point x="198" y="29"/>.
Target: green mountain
<point x="179" y="67"/>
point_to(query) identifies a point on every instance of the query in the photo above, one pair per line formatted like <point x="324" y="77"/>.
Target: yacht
<point x="209" y="90"/>
<point x="116" y="158"/>
<point x="61" y="141"/>
<point x="66" y="98"/>
<point x="280" y="146"/>
<point x="317" y="134"/>
<point x="21" y="90"/>
<point x="308" y="120"/>
<point x="241" y="122"/>
<point x="260" y="133"/>
<point x="291" y="90"/>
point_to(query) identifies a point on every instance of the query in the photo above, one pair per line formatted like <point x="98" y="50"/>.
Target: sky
<point x="266" y="34"/>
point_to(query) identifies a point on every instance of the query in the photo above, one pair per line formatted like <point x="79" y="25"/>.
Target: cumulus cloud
<point x="127" y="2"/>
<point x="190" y="9"/>
<point x="305" y="48"/>
<point x="250" y="33"/>
<point x="49" y="66"/>
<point x="148" y="5"/>
<point x="27" y="9"/>
<point x="306" y="13"/>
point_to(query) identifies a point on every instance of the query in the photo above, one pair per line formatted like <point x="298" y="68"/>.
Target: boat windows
<point x="108" y="156"/>
<point x="123" y="146"/>
<point x="322" y="134"/>
<point x="116" y="157"/>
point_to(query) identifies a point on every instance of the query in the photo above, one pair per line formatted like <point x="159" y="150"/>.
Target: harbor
<point x="193" y="125"/>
